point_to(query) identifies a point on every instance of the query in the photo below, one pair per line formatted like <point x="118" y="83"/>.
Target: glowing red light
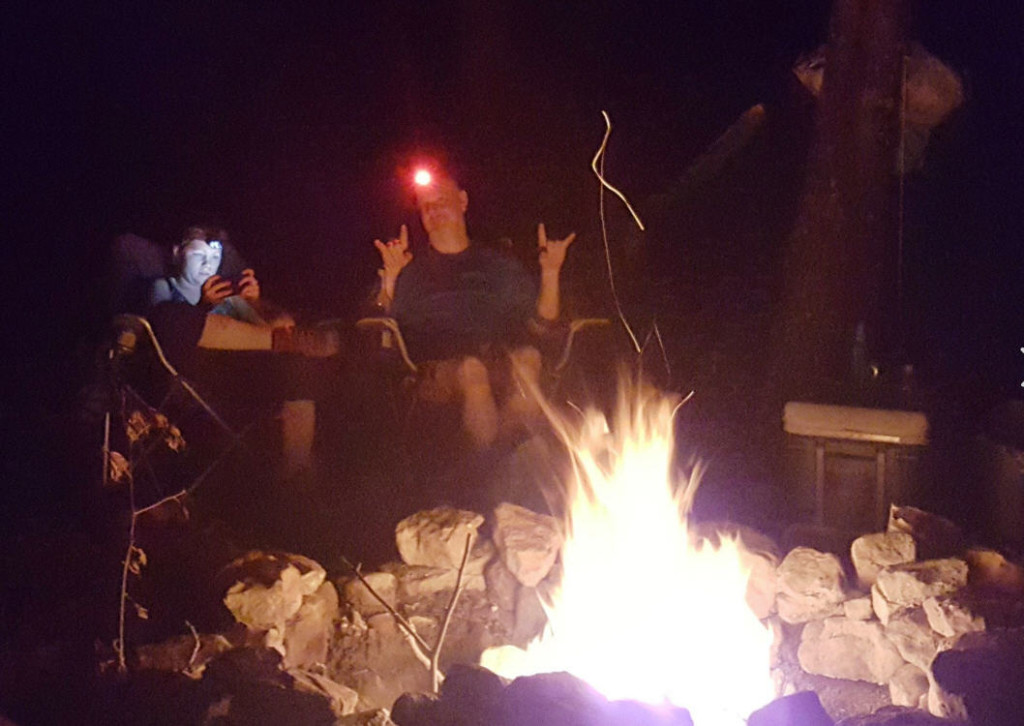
<point x="422" y="177"/>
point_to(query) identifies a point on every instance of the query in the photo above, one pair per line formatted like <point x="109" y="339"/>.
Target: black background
<point x="292" y="124"/>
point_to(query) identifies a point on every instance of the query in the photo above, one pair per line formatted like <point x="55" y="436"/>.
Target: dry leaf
<point x="119" y="469"/>
<point x="173" y="438"/>
<point x="136" y="561"/>
<point x="137" y="426"/>
<point x="142" y="612"/>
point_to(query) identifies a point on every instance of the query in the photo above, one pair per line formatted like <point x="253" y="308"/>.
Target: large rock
<point x="895" y="716"/>
<point x="285" y="597"/>
<point x="883" y="608"/>
<point x="528" y="543"/>
<point x="936" y="536"/>
<point x="436" y="537"/>
<point x="914" y="638"/>
<point x="858" y="608"/>
<point x="910" y="585"/>
<point x="987" y="669"/>
<point x="946" y="705"/>
<point x="502" y="585"/>
<point x="269" y="587"/>
<point x="951" y="616"/>
<point x="802" y="708"/>
<point x="851" y="649"/>
<point x="990" y="571"/>
<point x="873" y="552"/>
<point x="416" y="582"/>
<point x="307" y="635"/>
<point x="909" y="687"/>
<point x="384" y="584"/>
<point x="343" y="700"/>
<point x="810" y="586"/>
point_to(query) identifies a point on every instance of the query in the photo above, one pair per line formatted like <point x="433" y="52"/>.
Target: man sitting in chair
<point x="224" y="334"/>
<point x="464" y="306"/>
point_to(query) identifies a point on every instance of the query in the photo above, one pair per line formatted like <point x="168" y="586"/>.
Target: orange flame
<point x="643" y="611"/>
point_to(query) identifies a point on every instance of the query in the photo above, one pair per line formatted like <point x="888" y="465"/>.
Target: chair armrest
<point x="390" y="331"/>
<point x="129" y="327"/>
<point x="576" y="325"/>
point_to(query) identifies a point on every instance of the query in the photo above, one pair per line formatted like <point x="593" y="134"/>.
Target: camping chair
<point x="557" y="358"/>
<point x="154" y="417"/>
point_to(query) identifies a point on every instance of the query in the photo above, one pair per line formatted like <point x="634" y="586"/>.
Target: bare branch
<point x="402" y="622"/>
<point x="435" y="673"/>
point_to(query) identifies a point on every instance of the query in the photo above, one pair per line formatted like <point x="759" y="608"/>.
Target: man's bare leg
<point x="522" y="404"/>
<point x="479" y="412"/>
<point x="298" y="426"/>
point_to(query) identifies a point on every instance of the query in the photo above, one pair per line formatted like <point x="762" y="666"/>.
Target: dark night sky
<point x="289" y="122"/>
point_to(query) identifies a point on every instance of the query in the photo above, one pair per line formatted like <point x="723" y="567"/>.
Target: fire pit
<point x="623" y="613"/>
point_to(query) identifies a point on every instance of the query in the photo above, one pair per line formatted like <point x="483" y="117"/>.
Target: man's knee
<point x="526" y="361"/>
<point x="472" y="373"/>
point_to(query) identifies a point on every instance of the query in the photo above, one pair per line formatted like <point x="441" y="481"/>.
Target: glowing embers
<point x="643" y="611"/>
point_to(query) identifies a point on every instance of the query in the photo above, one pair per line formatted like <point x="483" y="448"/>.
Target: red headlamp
<point x="422" y="177"/>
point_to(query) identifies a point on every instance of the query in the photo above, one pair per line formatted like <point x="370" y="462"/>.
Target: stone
<point x="810" y="585"/>
<point x="436" y="537"/>
<point x="947" y="705"/>
<point x="987" y="669"/>
<point x="343" y="700"/>
<point x="269" y="588"/>
<point x="636" y="713"/>
<point x="914" y="638"/>
<point x="884" y="609"/>
<point x="851" y="649"/>
<point x="180" y="654"/>
<point x="417" y="582"/>
<point x="858" y="608"/>
<point x="910" y="585"/>
<point x="990" y="571"/>
<point x="307" y="635"/>
<point x="385" y="584"/>
<point x="936" y="537"/>
<point x="376" y="717"/>
<point x="471" y="692"/>
<point x="871" y="553"/>
<point x="502" y="590"/>
<point x="415" y="709"/>
<point x="551" y="699"/>
<point x="802" y="708"/>
<point x="774" y="624"/>
<point x="762" y="582"/>
<point x="895" y="716"/>
<point x="909" y="687"/>
<point x="950" y="616"/>
<point x="527" y="542"/>
<point x="530" y="617"/>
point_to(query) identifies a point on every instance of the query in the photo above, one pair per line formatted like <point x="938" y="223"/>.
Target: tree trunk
<point x="841" y="264"/>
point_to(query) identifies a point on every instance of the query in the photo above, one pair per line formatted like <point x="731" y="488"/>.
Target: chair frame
<point x="392" y="339"/>
<point x="128" y="329"/>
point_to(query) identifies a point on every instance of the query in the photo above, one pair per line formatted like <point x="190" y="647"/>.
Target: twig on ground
<point x="435" y="673"/>
<point x="429" y="657"/>
<point x="195" y="648"/>
<point x="122" y="664"/>
<point x="402" y="622"/>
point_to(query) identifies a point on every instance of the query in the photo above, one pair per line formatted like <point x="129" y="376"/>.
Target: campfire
<point x="683" y="633"/>
<point x="619" y="612"/>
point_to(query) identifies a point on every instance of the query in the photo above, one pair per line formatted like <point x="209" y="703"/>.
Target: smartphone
<point x="235" y="280"/>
